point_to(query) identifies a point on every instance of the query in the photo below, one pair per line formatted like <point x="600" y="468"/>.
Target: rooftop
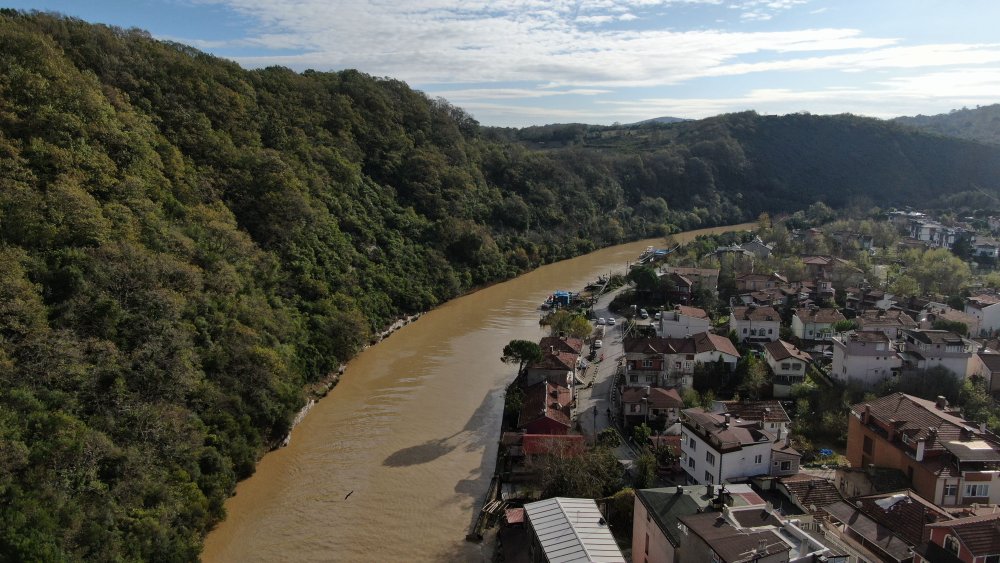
<point x="691" y="311"/>
<point x="980" y="534"/>
<point x="723" y="436"/>
<point x="810" y="492"/>
<point x="732" y="544"/>
<point x="666" y="504"/>
<point x="659" y="398"/>
<point x="943" y="428"/>
<point x="945" y="337"/>
<point x="781" y="350"/>
<point x="545" y="400"/>
<point x="756" y="314"/>
<point x="768" y="410"/>
<point x="561" y="344"/>
<point x="816" y="315"/>
<point x="572" y="529"/>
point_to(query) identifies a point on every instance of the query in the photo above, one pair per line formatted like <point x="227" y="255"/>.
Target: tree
<point x="645" y="279"/>
<point x="755" y="379"/>
<point x="958" y="327"/>
<point x="594" y="474"/>
<point x="845" y="325"/>
<point x="609" y="438"/>
<point x="645" y="470"/>
<point x="641" y="434"/>
<point x="904" y="286"/>
<point x="522" y="353"/>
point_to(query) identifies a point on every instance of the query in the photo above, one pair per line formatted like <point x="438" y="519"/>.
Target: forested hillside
<point x="980" y="124"/>
<point x="185" y="244"/>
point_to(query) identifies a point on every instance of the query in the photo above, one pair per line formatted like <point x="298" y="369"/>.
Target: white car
<point x="598" y="344"/>
<point x="601" y="321"/>
<point x="611" y="321"/>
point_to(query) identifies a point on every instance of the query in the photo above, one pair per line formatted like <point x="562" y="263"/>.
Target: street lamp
<point x="595" y="424"/>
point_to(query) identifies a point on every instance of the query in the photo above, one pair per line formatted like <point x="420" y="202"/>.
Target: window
<point x="786" y="366"/>
<point x="977" y="490"/>
<point x="770" y="331"/>
<point x="796" y="365"/>
<point x="710" y="458"/>
<point x="708" y="478"/>
<point x="634" y="407"/>
<point x="950" y="490"/>
<point x="951" y="544"/>
<point x="868" y="446"/>
<point x="633" y="377"/>
<point x="744" y="331"/>
<point x="786" y="466"/>
<point x="647" y="544"/>
<point x="647" y="363"/>
<point x="758" y="458"/>
<point x="692" y="444"/>
<point x="992" y="559"/>
<point x="691" y="462"/>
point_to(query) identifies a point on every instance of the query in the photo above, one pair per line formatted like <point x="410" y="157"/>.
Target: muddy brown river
<point x="410" y="434"/>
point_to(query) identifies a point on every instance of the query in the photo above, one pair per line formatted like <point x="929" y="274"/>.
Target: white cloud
<point x="482" y="53"/>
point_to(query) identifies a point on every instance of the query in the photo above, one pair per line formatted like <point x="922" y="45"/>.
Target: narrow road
<point x="594" y="398"/>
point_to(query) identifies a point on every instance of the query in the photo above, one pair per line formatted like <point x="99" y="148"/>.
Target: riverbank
<point x="412" y="427"/>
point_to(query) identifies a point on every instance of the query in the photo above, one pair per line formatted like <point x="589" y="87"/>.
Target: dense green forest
<point x="186" y="244"/>
<point x="979" y="124"/>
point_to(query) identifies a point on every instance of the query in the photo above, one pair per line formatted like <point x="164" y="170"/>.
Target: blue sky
<point x="525" y="62"/>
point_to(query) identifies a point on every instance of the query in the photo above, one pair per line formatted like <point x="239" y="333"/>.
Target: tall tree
<point x="522" y="353"/>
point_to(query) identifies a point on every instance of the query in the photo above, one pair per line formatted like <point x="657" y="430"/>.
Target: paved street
<point x="599" y="376"/>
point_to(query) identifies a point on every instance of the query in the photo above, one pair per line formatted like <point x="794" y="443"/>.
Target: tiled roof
<point x="870" y="336"/>
<point x="828" y="315"/>
<point x="566" y="444"/>
<point x="983" y="300"/>
<point x="781" y="350"/>
<point x="659" y="398"/>
<point x="545" y="400"/>
<point x="691" y="311"/>
<point x="724" y="438"/>
<point x="732" y="544"/>
<point x="708" y="342"/>
<point x="905" y="512"/>
<point x="944" y="429"/>
<point x="692" y="271"/>
<point x="657" y="345"/>
<point x="756" y="314"/>
<point x="880" y="536"/>
<point x="892" y="317"/>
<point x="980" y="534"/>
<point x="812" y="493"/>
<point x="768" y="411"/>
<point x="556" y="361"/>
<point x="561" y="344"/>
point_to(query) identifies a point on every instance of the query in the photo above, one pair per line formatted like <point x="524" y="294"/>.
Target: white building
<point x="865" y="357"/>
<point x="986" y="308"/>
<point x="684" y="321"/>
<point x="718" y="448"/>
<point x="814" y="323"/>
<point x="924" y="349"/>
<point x="755" y="324"/>
<point x="788" y="364"/>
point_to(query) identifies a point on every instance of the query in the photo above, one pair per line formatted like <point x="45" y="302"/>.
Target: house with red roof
<point x="948" y="459"/>
<point x="973" y="539"/>
<point x="755" y="324"/>
<point x="788" y="364"/>
<point x="643" y="404"/>
<point x="814" y="323"/>
<point x="545" y="410"/>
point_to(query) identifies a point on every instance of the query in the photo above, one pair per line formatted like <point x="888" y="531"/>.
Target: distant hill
<point x="981" y="124"/>
<point x="665" y="119"/>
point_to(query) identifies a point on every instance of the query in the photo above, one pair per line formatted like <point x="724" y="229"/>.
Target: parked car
<point x="601" y="321"/>
<point x="643" y="313"/>
<point x="611" y="321"/>
<point x="597" y="344"/>
<point x="656" y="316"/>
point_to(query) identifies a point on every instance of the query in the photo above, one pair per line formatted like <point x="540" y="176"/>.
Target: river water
<point x="410" y="433"/>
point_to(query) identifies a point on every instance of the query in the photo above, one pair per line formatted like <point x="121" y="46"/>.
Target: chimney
<point x="941" y="402"/>
<point x="552" y="350"/>
<point x="680" y="490"/>
<point x="788" y="440"/>
<point x="647" y="390"/>
<point x="921" y="445"/>
<point x="871" y="469"/>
